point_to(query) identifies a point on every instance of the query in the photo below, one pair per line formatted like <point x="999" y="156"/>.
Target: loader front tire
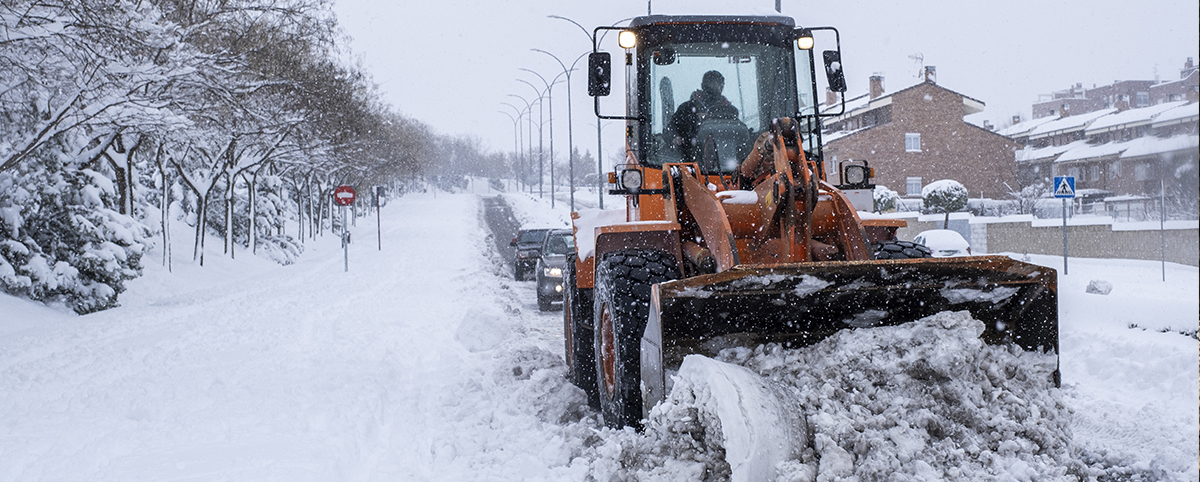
<point x="622" y="307"/>
<point x="577" y="333"/>
<point x="899" y="250"/>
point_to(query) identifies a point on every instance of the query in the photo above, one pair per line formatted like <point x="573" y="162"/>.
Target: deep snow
<point x="426" y="361"/>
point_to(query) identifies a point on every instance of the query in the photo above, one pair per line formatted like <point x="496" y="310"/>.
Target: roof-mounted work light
<point x="804" y="41"/>
<point x="627" y="39"/>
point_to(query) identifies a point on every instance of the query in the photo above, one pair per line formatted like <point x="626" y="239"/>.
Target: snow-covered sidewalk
<point x="411" y="366"/>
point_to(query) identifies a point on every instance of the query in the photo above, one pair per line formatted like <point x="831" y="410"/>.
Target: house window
<point x="1094" y="172"/>
<point x="1114" y="170"/>
<point x="1143" y="99"/>
<point x="1141" y="172"/>
<point x="914" y="186"/>
<point x="1076" y="173"/>
<point x="912" y="143"/>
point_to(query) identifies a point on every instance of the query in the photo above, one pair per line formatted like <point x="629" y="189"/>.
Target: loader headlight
<point x="627" y="39"/>
<point x="631" y="179"/>
<point x="555" y="272"/>
<point x="856" y="174"/>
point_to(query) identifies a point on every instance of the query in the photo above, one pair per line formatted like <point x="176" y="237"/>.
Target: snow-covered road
<point x="426" y="361"/>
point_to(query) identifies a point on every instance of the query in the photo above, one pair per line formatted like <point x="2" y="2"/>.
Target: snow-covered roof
<point x="1068" y="124"/>
<point x="1181" y="114"/>
<point x="833" y="136"/>
<point x="1089" y="151"/>
<point x="1149" y="146"/>
<point x="863" y="103"/>
<point x="1033" y="154"/>
<point x="1016" y="130"/>
<point x="1129" y="118"/>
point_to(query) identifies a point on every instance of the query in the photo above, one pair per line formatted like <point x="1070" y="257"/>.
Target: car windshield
<point x="532" y="236"/>
<point x="560" y="244"/>
<point x="690" y="121"/>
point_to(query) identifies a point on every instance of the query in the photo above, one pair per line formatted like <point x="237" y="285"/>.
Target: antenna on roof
<point x="919" y="59"/>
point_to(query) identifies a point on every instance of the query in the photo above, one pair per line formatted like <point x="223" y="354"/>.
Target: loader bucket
<point x="799" y="304"/>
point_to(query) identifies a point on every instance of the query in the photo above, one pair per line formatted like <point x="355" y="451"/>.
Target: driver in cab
<point x="706" y="103"/>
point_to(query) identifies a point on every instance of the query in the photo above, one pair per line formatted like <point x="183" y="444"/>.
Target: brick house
<point x="917" y="135"/>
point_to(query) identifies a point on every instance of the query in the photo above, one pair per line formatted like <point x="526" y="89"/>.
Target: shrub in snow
<point x="886" y="200"/>
<point x="60" y="241"/>
<point x="944" y="196"/>
<point x="1099" y="287"/>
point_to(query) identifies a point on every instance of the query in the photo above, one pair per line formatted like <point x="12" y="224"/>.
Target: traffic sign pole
<point x="345" y="242"/>
<point x="1064" y="188"/>
<point x="1064" y="236"/>
<point x="344" y="196"/>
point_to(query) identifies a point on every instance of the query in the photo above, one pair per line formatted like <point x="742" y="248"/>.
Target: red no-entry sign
<point x="343" y="195"/>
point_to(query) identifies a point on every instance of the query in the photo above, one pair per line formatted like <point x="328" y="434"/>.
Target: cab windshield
<point x="709" y="101"/>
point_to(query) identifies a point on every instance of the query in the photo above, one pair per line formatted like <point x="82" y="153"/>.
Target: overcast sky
<point x="452" y="63"/>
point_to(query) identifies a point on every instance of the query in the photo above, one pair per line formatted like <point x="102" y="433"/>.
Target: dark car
<point x="559" y="243"/>
<point x="529" y="245"/>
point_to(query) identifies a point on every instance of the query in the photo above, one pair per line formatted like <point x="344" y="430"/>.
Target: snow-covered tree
<point x="944" y="196"/>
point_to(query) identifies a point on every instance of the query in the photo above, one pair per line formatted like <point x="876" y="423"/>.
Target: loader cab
<point x="767" y="74"/>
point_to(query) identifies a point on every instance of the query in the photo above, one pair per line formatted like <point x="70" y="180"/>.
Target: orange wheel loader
<point x="731" y="235"/>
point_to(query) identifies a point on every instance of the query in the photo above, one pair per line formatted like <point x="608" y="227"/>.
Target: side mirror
<point x="599" y="74"/>
<point x="833" y="70"/>
<point x="513" y="243"/>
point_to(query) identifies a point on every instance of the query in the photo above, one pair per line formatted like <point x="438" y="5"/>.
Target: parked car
<point x="559" y="243"/>
<point x="529" y="244"/>
<point x="944" y="243"/>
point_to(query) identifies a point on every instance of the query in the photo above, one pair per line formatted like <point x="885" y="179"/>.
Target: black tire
<point x="900" y="250"/>
<point x="577" y="333"/>
<point x="622" y="306"/>
<point x="519" y="273"/>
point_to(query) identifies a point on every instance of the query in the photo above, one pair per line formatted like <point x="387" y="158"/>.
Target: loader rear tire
<point x="622" y="306"/>
<point x="900" y="250"/>
<point x="577" y="332"/>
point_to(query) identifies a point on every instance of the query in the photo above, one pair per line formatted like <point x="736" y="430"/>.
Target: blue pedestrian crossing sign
<point x="1064" y="187"/>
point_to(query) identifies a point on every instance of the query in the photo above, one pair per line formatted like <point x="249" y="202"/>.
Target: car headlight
<point x="556" y="272"/>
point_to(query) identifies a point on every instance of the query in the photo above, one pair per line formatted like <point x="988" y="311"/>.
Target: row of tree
<point x="117" y="116"/>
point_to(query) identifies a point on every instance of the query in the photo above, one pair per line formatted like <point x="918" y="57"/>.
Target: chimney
<point x="931" y="74"/>
<point x="831" y="97"/>
<point x="1016" y="119"/>
<point x="988" y="125"/>
<point x="876" y="86"/>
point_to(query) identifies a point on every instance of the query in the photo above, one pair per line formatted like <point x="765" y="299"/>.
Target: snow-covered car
<point x="529" y="245"/>
<point x="944" y="243"/>
<point x="559" y="243"/>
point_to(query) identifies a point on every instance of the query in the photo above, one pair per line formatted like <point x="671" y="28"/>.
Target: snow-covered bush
<point x="60" y="240"/>
<point x="944" y="196"/>
<point x="886" y="200"/>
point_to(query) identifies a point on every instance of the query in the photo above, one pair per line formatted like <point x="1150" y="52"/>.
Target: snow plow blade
<point x="800" y="304"/>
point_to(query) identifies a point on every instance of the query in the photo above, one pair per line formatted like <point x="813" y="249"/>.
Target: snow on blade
<point x="963" y="295"/>
<point x="757" y="428"/>
<point x="922" y="401"/>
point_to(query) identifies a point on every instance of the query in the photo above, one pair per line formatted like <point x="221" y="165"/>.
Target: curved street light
<point x="550" y="106"/>
<point x="528" y="145"/>
<point x="519" y="146"/>
<point x="515" y="121"/>
<point x="570" y="129"/>
<point x="541" y="96"/>
<point x="599" y="140"/>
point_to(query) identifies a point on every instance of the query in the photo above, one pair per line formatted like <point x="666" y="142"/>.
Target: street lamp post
<point x="515" y="135"/>
<point x="550" y="106"/>
<point x="599" y="140"/>
<point x="541" y="121"/>
<point x="519" y="145"/>
<point x="528" y="145"/>
<point x="570" y="129"/>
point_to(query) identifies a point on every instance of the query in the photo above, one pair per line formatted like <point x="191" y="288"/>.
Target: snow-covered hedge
<point x="60" y="242"/>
